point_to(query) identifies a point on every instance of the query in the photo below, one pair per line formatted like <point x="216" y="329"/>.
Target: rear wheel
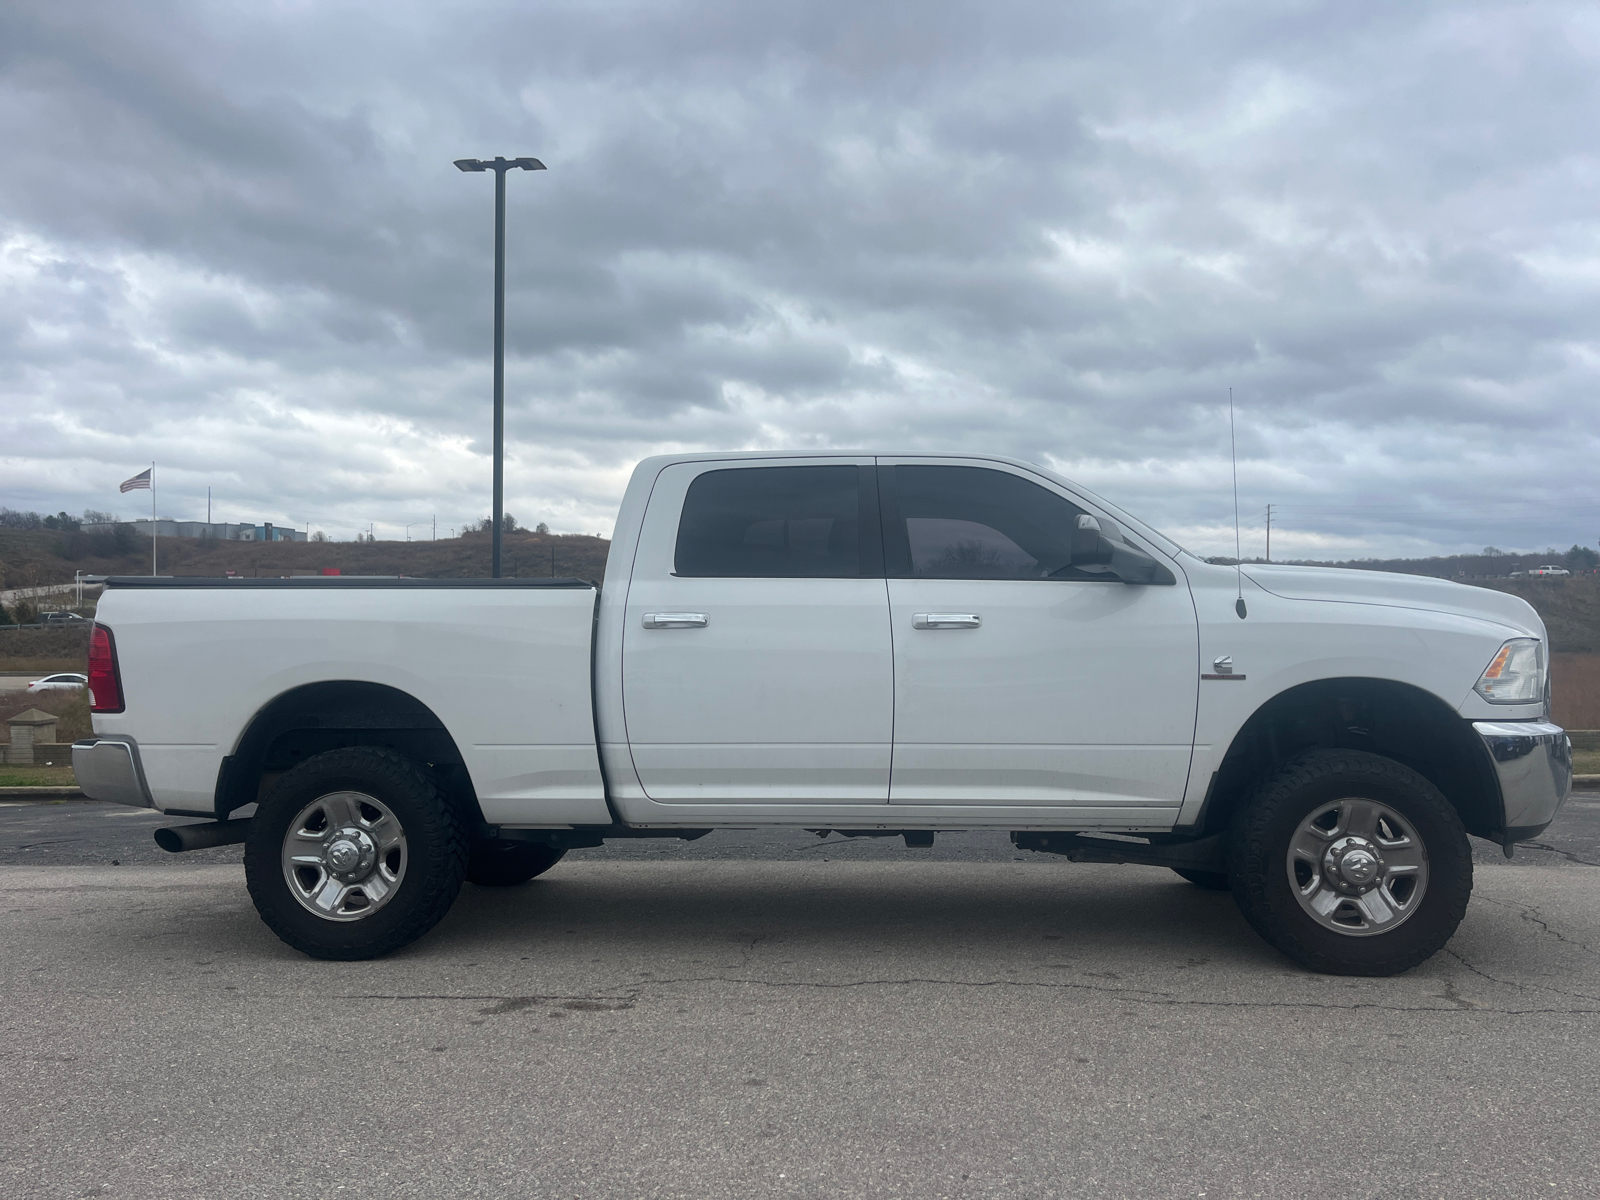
<point x="499" y="863"/>
<point x="354" y="853"/>
<point x="1351" y="863"/>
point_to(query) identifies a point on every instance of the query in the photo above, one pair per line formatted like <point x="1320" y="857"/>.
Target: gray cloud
<point x="231" y="241"/>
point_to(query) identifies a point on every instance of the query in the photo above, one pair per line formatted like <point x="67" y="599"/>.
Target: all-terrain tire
<point x="435" y="854"/>
<point x="1215" y="881"/>
<point x="1261" y="877"/>
<point x="496" y="862"/>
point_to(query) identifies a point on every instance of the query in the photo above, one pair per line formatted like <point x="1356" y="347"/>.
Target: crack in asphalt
<point x="755" y="939"/>
<point x="1566" y="854"/>
<point x="506" y="1004"/>
<point x="1454" y="997"/>
<point x="1512" y="983"/>
<point x="1530" y="914"/>
<point x="521" y="1001"/>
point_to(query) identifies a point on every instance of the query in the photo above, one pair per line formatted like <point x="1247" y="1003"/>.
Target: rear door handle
<point x="675" y="620"/>
<point x="946" y="620"/>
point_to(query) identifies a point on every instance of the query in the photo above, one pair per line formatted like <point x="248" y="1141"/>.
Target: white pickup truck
<point x="872" y="644"/>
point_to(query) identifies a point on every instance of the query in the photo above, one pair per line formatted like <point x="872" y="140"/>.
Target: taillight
<point x="105" y="682"/>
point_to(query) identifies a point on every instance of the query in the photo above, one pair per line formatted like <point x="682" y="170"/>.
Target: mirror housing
<point x="1091" y="548"/>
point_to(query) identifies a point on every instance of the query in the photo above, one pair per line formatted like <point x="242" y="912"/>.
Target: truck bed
<point x="504" y="665"/>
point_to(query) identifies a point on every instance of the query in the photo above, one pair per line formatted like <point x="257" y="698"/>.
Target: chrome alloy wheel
<point x="1357" y="867"/>
<point x="344" y="856"/>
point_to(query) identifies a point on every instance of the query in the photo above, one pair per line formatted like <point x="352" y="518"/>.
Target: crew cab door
<point x="1019" y="679"/>
<point x="756" y="661"/>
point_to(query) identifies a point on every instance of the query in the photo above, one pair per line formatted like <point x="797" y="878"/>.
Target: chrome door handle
<point x="946" y="621"/>
<point x="675" y="620"/>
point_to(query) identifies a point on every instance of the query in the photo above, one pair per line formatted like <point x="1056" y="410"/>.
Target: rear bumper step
<point x="108" y="769"/>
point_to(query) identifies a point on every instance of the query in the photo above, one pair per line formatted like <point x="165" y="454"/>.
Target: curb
<point x="41" y="793"/>
<point x="1586" y="782"/>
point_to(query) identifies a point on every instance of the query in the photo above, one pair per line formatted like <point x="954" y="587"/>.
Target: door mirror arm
<point x="1132" y="565"/>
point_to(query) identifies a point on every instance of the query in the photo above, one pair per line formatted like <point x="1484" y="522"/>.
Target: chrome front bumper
<point x="108" y="769"/>
<point x="1533" y="760"/>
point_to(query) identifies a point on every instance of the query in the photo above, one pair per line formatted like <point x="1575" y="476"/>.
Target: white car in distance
<point x="1549" y="572"/>
<point x="68" y="681"/>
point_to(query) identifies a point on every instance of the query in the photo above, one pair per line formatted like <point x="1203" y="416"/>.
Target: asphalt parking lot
<point x="762" y="1014"/>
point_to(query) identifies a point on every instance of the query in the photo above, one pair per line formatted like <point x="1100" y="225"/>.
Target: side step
<point x="1206" y="854"/>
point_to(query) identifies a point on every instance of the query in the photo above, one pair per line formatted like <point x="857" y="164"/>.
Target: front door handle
<point x="946" y="620"/>
<point x="675" y="620"/>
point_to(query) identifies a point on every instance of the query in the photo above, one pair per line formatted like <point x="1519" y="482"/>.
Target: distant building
<point x="203" y="529"/>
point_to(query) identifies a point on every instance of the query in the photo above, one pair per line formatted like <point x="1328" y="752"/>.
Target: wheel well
<point x="1393" y="719"/>
<point x="319" y="717"/>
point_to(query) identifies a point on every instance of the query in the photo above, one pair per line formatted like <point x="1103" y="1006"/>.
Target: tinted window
<point x="974" y="523"/>
<point x="773" y="522"/>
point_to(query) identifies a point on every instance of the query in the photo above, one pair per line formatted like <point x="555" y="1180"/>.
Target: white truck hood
<point x="1399" y="591"/>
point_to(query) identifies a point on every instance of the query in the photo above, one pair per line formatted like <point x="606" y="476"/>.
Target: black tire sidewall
<point x="1259" y="872"/>
<point x="435" y="854"/>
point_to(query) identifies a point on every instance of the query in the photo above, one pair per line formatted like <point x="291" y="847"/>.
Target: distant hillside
<point x="1570" y="608"/>
<point x="32" y="557"/>
<point x="1459" y="566"/>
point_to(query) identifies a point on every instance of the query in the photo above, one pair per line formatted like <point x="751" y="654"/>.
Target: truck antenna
<point x="1238" y="561"/>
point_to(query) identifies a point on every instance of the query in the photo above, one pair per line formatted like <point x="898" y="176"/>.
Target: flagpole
<point x="153" y="527"/>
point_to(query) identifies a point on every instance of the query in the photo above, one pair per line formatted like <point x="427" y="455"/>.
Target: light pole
<point x="499" y="166"/>
<point x="408" y="528"/>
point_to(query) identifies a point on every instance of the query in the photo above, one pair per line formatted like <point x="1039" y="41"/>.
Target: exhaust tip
<point x="169" y="840"/>
<point x="202" y="835"/>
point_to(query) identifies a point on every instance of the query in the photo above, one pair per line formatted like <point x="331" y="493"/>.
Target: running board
<point x="1206" y="854"/>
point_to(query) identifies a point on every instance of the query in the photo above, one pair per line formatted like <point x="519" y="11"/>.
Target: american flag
<point x="141" y="480"/>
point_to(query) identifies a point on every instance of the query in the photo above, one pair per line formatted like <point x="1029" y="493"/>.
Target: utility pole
<point x="1269" y="533"/>
<point x="499" y="166"/>
<point x="436" y="527"/>
<point x="208" y="504"/>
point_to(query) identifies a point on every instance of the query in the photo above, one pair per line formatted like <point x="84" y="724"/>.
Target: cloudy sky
<point x="232" y="241"/>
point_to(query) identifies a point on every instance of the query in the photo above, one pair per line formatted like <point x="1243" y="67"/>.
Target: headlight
<point x="1516" y="675"/>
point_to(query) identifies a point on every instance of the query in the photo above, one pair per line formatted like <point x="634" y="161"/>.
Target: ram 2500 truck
<point x="872" y="644"/>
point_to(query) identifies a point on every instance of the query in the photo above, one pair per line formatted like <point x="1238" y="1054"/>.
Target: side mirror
<point x="1089" y="545"/>
<point x="1091" y="548"/>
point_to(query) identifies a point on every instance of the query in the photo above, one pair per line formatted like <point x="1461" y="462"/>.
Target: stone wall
<point x="57" y="754"/>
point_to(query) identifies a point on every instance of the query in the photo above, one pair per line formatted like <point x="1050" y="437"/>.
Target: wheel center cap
<point x="1353" y="864"/>
<point x="1358" y="867"/>
<point x="343" y="855"/>
<point x="349" y="853"/>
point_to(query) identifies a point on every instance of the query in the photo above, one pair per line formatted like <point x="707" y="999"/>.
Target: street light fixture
<point x="499" y="166"/>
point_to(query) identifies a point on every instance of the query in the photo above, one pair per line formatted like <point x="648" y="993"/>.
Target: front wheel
<point x="1351" y="863"/>
<point x="354" y="853"/>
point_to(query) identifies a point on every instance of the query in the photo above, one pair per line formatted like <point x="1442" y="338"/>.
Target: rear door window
<point x="810" y="522"/>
